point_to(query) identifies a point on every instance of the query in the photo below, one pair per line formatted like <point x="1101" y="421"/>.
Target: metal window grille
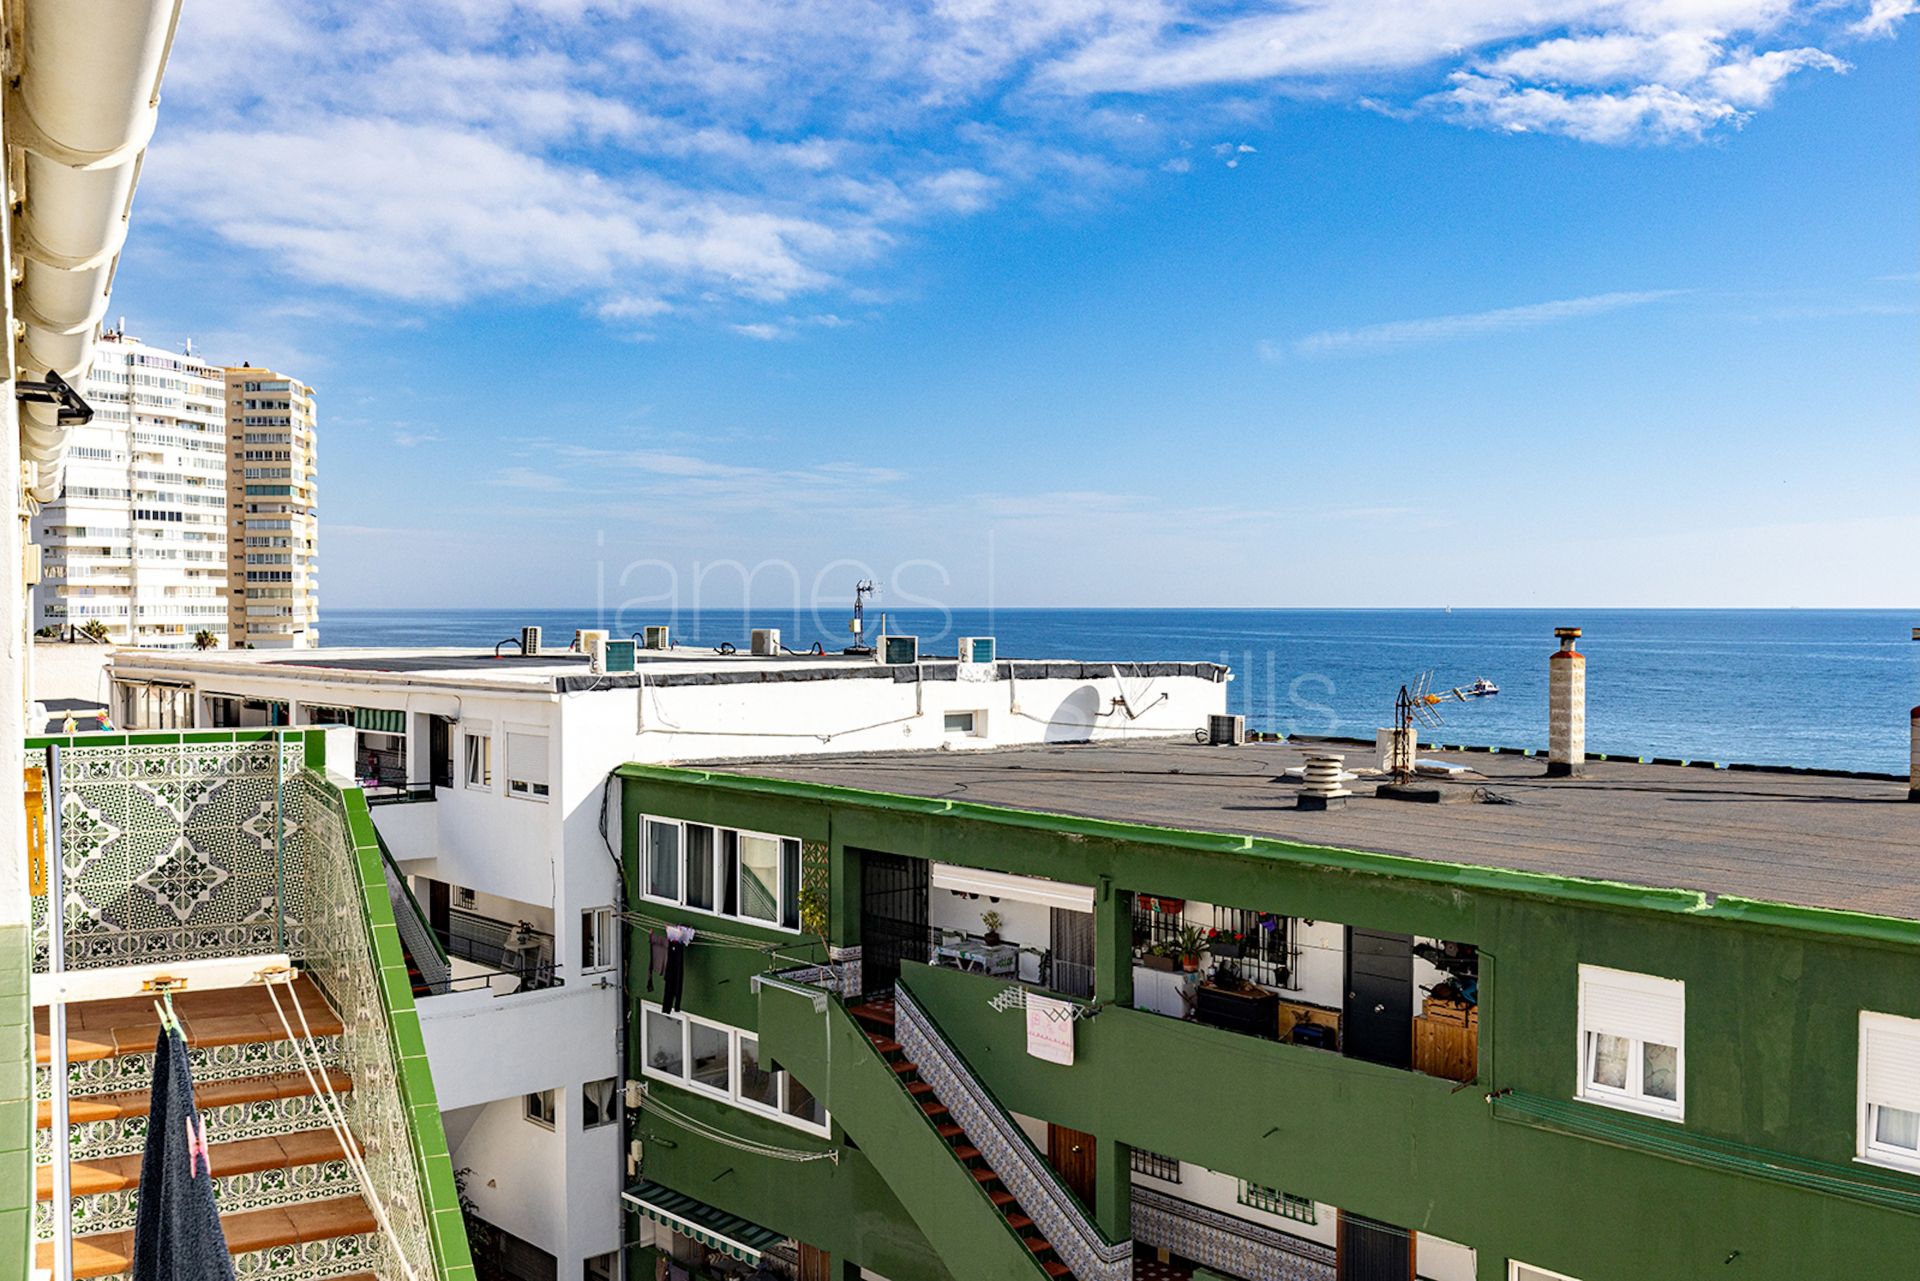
<point x="1274" y="1201"/>
<point x="1164" y="1168"/>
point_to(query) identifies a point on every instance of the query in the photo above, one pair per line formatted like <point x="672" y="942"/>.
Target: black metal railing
<point x="504" y="947"/>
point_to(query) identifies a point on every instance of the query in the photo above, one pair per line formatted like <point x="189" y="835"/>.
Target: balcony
<point x="227" y="868"/>
<point x="1321" y="984"/>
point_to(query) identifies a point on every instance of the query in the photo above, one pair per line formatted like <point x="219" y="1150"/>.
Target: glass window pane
<point x="700" y="866"/>
<point x="664" y="1051"/>
<point x="1896" y="1128"/>
<point x="1609" y="1067"/>
<point x="709" y="1048"/>
<point x="790" y="878"/>
<point x="759" y="878"/>
<point x="663" y="860"/>
<point x="802" y="1104"/>
<point x="1660" y="1078"/>
<point x="757" y="1084"/>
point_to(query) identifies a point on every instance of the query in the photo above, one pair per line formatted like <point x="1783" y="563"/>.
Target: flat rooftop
<point x="564" y="672"/>
<point x="1850" y="842"/>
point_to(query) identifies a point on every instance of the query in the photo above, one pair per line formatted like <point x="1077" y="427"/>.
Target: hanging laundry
<point x="656" y="956"/>
<point x="678" y="937"/>
<point x="176" y="1230"/>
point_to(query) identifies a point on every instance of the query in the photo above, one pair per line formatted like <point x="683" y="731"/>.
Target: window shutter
<point x="1637" y="1006"/>
<point x="1891" y="1047"/>
<point x="527" y="758"/>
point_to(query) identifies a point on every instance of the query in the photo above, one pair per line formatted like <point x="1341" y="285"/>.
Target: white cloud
<point x="657" y="157"/>
<point x="528" y="478"/>
<point x="1432" y="329"/>
<point x="760" y="331"/>
<point x="411" y="439"/>
<point x="1884" y="16"/>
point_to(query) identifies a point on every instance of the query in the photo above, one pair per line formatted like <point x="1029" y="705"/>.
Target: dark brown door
<point x="815" y="1264"/>
<point x="1070" y="1153"/>
<point x="1373" y="1251"/>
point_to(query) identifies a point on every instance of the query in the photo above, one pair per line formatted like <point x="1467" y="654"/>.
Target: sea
<point x="1827" y="689"/>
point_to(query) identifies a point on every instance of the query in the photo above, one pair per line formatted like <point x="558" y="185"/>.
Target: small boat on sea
<point x="1481" y="688"/>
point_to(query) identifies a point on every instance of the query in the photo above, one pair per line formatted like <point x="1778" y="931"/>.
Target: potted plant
<point x="1226" y="945"/>
<point x="992" y="921"/>
<point x="1191" y="945"/>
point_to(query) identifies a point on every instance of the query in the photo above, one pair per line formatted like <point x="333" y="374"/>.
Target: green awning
<point x="380" y="720"/>
<point x="711" y="1227"/>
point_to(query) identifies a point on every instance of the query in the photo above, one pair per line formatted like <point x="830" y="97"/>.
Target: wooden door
<point x="815" y="1264"/>
<point x="1070" y="1153"/>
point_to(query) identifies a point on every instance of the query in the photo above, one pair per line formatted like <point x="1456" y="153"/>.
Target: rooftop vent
<point x="1566" y="707"/>
<point x="1320" y="789"/>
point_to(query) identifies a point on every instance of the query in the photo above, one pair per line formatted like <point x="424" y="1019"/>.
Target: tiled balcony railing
<point x="231" y="844"/>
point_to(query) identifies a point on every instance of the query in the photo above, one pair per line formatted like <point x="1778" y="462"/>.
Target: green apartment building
<point x="1650" y="1022"/>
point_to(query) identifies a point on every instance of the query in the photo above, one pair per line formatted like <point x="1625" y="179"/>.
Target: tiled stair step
<point x="249" y="1174"/>
<point x="322" y="1239"/>
<point x="107" y="1125"/>
<point x="230" y="1033"/>
<point x="209" y="1063"/>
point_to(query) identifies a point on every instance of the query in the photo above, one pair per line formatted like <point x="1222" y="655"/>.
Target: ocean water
<point x="1821" y="688"/>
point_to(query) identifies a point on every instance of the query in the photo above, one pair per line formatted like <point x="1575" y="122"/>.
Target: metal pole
<point x="280" y="840"/>
<point x="57" y="1025"/>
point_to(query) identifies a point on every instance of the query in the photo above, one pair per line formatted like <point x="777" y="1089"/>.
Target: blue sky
<point x="1114" y="302"/>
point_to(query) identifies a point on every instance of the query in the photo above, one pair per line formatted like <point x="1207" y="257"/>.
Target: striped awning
<point x="711" y="1227"/>
<point x="380" y="720"/>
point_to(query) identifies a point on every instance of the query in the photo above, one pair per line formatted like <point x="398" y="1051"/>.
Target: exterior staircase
<point x="876" y="1019"/>
<point x="290" y="1206"/>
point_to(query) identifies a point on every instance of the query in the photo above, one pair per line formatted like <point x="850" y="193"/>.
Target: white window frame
<point x="552" y="1108"/>
<point x="731" y="1095"/>
<point x="598" y="926"/>
<point x="484" y="737"/>
<point x="1634" y="1097"/>
<point x="679" y="898"/>
<point x="1896" y="1034"/>
<point x="609" y="1111"/>
<point x="527" y="789"/>
<point x="1514" y="1266"/>
<point x="973" y="727"/>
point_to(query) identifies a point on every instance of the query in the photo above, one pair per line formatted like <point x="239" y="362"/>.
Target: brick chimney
<point x="1566" y="707"/>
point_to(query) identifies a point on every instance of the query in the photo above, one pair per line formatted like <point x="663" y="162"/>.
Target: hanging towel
<point x="656" y="956"/>
<point x="176" y="1228"/>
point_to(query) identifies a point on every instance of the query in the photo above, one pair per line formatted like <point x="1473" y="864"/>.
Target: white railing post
<point x="57" y="1025"/>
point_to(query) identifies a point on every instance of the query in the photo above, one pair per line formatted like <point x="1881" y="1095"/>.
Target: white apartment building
<point x="273" y="559"/>
<point x="137" y="540"/>
<point x="490" y="778"/>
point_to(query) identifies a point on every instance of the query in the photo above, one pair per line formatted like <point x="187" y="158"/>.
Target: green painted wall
<point x="1773" y="995"/>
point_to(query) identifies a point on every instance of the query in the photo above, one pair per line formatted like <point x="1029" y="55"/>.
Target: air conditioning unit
<point x="529" y="640"/>
<point x="618" y="656"/>
<point x="1226" y="730"/>
<point x="976" y="649"/>
<point x="595" y="643"/>
<point x="585" y="639"/>
<point x="766" y="642"/>
<point x="655" y="637"/>
<point x="901" y="650"/>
